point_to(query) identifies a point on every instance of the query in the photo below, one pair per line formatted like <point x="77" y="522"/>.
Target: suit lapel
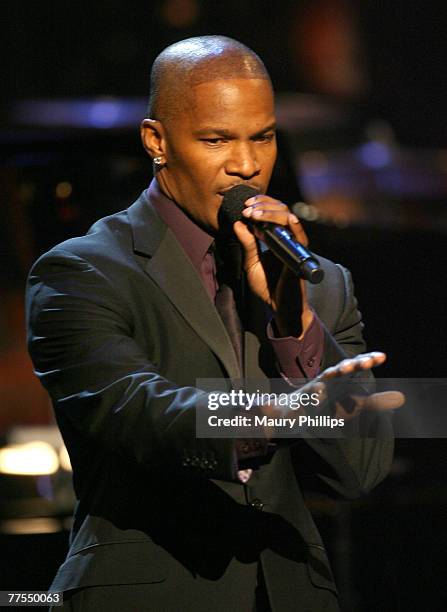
<point x="169" y="266"/>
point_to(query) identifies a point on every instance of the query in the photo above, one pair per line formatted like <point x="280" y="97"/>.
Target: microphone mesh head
<point x="232" y="207"/>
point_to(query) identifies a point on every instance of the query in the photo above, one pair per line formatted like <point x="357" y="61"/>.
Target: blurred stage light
<point x="104" y="113"/>
<point x="375" y="154"/>
<point x="96" y="113"/>
<point x="31" y="459"/>
<point x="306" y="211"/>
<point x="63" y="189"/>
<point x="31" y="526"/>
<point x="180" y="13"/>
<point x="35" y="475"/>
<point x="64" y="459"/>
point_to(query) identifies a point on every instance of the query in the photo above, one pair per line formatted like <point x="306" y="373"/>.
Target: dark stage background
<point x="362" y="107"/>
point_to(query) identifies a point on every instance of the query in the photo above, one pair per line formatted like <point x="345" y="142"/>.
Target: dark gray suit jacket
<point x="120" y="328"/>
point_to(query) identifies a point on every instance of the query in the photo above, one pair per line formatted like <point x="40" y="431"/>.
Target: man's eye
<point x="265" y="137"/>
<point x="213" y="141"/>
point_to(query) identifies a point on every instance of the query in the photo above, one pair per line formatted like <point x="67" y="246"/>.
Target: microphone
<point x="278" y="238"/>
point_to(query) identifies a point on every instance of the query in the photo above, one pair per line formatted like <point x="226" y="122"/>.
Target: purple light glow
<point x="374" y="154"/>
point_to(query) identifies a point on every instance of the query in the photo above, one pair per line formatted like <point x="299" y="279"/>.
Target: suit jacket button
<point x="257" y="504"/>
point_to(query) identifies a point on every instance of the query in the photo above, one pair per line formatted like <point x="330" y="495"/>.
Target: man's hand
<point x="333" y="384"/>
<point x="348" y="405"/>
<point x="326" y="386"/>
<point x="267" y="276"/>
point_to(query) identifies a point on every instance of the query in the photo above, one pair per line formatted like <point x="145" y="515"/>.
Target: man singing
<point x="122" y="323"/>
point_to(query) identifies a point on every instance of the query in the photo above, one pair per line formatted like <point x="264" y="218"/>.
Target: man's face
<point x="226" y="137"/>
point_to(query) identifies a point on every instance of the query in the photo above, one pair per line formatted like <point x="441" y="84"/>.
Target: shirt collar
<point x="192" y="238"/>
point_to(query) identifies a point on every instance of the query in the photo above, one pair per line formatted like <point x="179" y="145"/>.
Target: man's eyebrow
<point x="207" y="131"/>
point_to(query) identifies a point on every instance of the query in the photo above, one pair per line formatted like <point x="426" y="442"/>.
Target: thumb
<point x="387" y="400"/>
<point x="246" y="238"/>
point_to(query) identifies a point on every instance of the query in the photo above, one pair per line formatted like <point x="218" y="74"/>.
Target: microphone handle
<point x="291" y="252"/>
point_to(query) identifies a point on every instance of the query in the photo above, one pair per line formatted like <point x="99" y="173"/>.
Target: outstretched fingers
<point x="360" y="363"/>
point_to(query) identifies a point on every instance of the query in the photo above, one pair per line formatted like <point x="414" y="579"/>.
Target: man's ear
<point x="153" y="139"/>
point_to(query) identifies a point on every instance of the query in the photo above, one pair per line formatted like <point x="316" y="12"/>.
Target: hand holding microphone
<point x="281" y="241"/>
<point x="272" y="274"/>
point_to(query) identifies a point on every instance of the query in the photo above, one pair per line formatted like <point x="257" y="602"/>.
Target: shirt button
<point x="257" y="504"/>
<point x="311" y="362"/>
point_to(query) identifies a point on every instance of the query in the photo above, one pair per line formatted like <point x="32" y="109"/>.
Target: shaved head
<point x="193" y="61"/>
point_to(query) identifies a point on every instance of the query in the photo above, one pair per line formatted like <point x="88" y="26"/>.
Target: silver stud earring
<point x="158" y="161"/>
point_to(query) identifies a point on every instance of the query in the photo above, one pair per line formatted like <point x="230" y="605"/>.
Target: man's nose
<point x="242" y="161"/>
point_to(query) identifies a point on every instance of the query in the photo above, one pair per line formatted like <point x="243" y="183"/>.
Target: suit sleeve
<point x="105" y="390"/>
<point x="346" y="467"/>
